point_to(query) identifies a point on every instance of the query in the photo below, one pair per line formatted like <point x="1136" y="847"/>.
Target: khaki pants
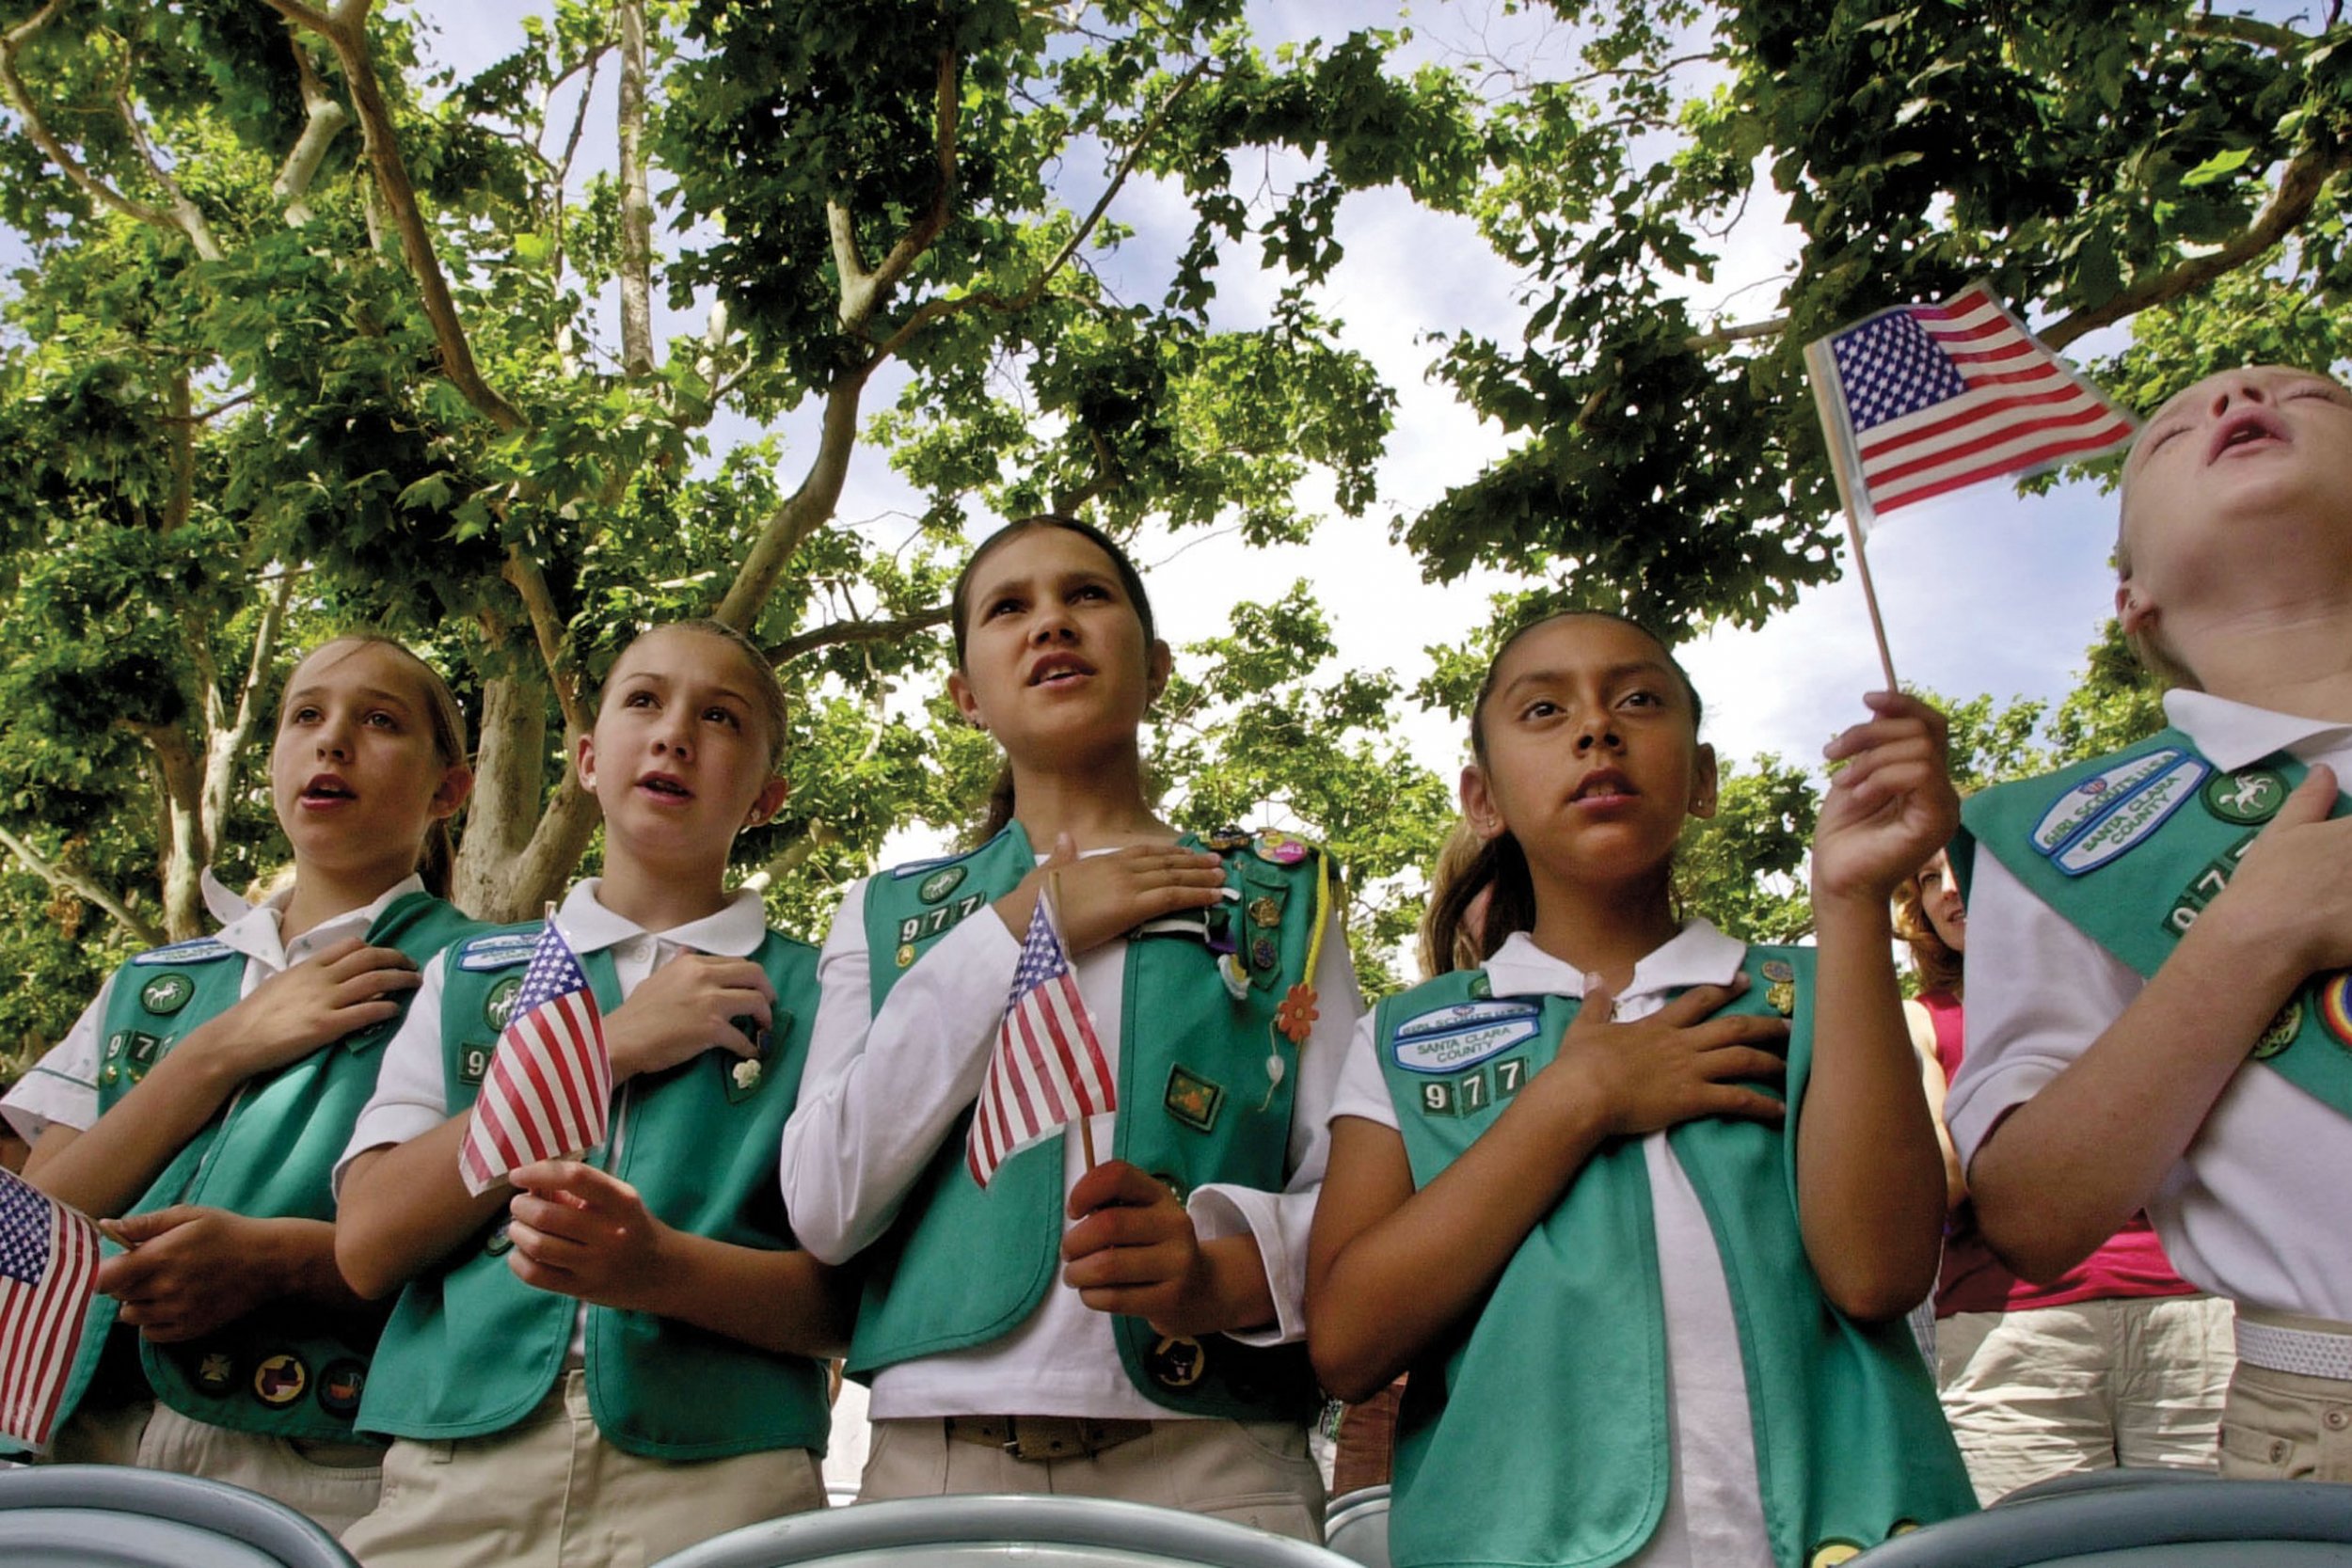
<point x="1255" y="1473"/>
<point x="2089" y="1386"/>
<point x="2286" y="1426"/>
<point x="335" y="1483"/>
<point x="550" y="1492"/>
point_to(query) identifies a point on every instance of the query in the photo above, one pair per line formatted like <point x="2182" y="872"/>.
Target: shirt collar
<point x="734" y="931"/>
<point x="1698" y="954"/>
<point x="2232" y="735"/>
<point x="258" y="933"/>
<point x="220" y="902"/>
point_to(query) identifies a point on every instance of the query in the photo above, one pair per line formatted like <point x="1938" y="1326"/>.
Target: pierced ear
<point x="770" y="802"/>
<point x="1705" y="782"/>
<point x="1478" y="804"/>
<point x="966" y="704"/>
<point x="584" y="762"/>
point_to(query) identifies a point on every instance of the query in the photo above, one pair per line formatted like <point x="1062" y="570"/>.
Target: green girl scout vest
<point x="472" y="1349"/>
<point x="1537" y="1432"/>
<point x="287" y="1368"/>
<point x="2129" y="847"/>
<point x="1206" y="1082"/>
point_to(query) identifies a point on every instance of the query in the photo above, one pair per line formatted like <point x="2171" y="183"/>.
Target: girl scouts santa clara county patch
<point x="2106" y="815"/>
<point x="1462" y="1036"/>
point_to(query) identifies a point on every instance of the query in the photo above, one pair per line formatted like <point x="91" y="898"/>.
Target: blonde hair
<point x="1939" y="966"/>
<point x="437" y="856"/>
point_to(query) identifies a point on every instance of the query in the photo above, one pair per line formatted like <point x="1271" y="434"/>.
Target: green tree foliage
<point x="314" y="331"/>
<point x="2093" y="160"/>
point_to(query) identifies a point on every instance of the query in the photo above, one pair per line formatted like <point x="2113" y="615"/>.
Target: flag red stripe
<point x="559" y="1032"/>
<point x="1886" y="474"/>
<point x="1066" y="1061"/>
<point x="1990" y="409"/>
<point x="525" y="1086"/>
<point x="2089" y="443"/>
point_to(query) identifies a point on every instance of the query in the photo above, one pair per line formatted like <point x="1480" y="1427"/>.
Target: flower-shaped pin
<point x="1297" y="1013"/>
<point x="746" y="1073"/>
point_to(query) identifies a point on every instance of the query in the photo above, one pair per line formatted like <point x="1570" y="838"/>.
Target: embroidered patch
<point x="499" y="950"/>
<point x="280" y="1380"/>
<point x="500" y="1004"/>
<point x="940" y="883"/>
<point x="2131" y="819"/>
<point x="2250" y="794"/>
<point x="2205" y="886"/>
<point x="473" y="1062"/>
<point x="1452" y="1039"/>
<point x="1438" y="1099"/>
<point x="339" y="1387"/>
<point x="203" y="950"/>
<point x="2079" y="806"/>
<point x="2279" y="1033"/>
<point x="922" y="928"/>
<point x="215" y="1374"/>
<point x="2335" y="1005"/>
<point x="1177" y="1361"/>
<point x="167" y="994"/>
<point x="130" y="1053"/>
<point x="1192" y="1099"/>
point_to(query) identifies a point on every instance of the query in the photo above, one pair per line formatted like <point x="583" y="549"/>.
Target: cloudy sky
<point x="1984" y="592"/>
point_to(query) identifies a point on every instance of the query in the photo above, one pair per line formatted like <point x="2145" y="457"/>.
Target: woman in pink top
<point x="2118" y="1361"/>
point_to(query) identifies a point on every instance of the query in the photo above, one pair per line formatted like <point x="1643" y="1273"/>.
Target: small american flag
<point x="1047" y="1068"/>
<point x="548" y="1090"/>
<point x="1925" y="399"/>
<point x="48" y="1273"/>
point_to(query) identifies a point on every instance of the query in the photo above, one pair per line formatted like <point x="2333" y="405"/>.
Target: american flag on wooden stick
<point x="1925" y="399"/>
<point x="548" y="1090"/>
<point x="1047" y="1068"/>
<point x="48" y="1273"/>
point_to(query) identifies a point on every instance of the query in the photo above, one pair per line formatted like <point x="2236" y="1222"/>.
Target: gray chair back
<point x="989" y="1532"/>
<point x="1357" y="1526"/>
<point x="109" y="1516"/>
<point x="2243" y="1524"/>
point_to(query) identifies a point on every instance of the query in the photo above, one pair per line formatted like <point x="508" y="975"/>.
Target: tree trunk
<point x="636" y="199"/>
<point x="512" y="857"/>
<point x="180" y="772"/>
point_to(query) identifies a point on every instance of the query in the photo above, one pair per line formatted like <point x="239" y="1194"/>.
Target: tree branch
<point x="325" y="117"/>
<point x="180" y="436"/>
<point x="345" y="28"/>
<point x="57" y="875"/>
<point x="185" y="214"/>
<point x="804" y="512"/>
<point x="938" y="309"/>
<point x="55" y="150"/>
<point x="862" y="289"/>
<point x="636" y="199"/>
<point x="839" y="633"/>
<point x="1740" y="333"/>
<point x="2299" y="186"/>
<point x="227" y="744"/>
<point x="2246" y="29"/>
<point x="547" y="629"/>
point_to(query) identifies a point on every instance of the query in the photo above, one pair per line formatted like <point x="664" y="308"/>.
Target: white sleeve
<point x="877" y="1096"/>
<point x="1363" y="1087"/>
<point x="411" y="1094"/>
<point x="61" y="1089"/>
<point x="1280" y="1221"/>
<point x="2039" y="992"/>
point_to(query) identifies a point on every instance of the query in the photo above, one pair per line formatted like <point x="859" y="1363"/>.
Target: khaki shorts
<point x="550" y="1492"/>
<point x="335" y="1483"/>
<point x="2286" y="1426"/>
<point x="1255" y="1473"/>
<point x="2054" y="1390"/>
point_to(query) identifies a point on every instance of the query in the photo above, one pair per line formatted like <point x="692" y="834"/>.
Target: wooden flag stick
<point x="1819" y="369"/>
<point x="1053" y="909"/>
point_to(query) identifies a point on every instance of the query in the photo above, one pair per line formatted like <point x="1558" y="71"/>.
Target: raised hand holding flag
<point x="548" y="1094"/>
<point x="1047" y="1068"/>
<point x="48" y="1273"/>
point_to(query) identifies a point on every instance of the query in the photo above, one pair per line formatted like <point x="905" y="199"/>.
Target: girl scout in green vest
<point x="612" y="1359"/>
<point x="1642" y="1207"/>
<point x="2159" y="1013"/>
<point x="1130" y="1330"/>
<point x="203" y="1099"/>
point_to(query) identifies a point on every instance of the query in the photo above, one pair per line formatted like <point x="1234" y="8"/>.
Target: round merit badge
<point x="2281" y="1031"/>
<point x="940" y="883"/>
<point x="281" y="1379"/>
<point x="500" y="1002"/>
<point x="167" y="993"/>
<point x="1176" y="1361"/>
<point x="2250" y="794"/>
<point x="341" y="1385"/>
<point x="215" y="1374"/>
<point x="2335" y="1005"/>
<point x="1778" y="972"/>
<point x="1281" y="849"/>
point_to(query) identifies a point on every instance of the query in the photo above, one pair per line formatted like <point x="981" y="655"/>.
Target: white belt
<point x="2305" y="1352"/>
